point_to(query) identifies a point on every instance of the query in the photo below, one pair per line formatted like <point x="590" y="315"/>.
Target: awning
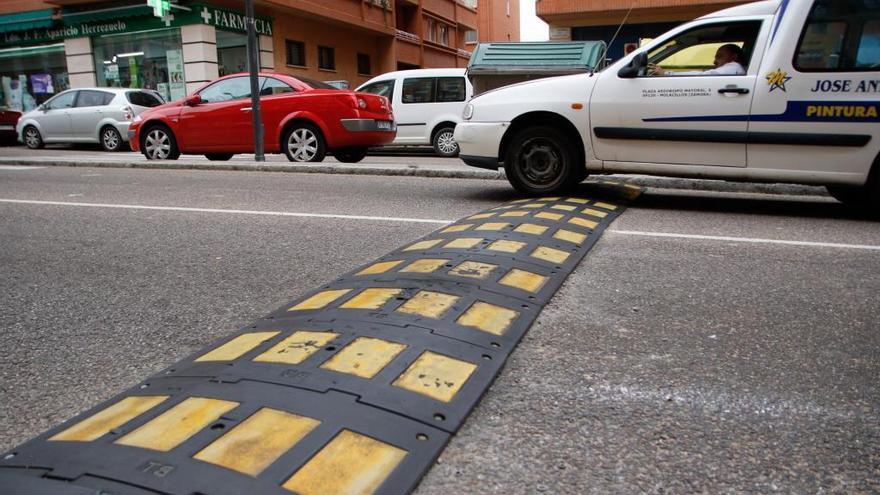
<point x="71" y="16"/>
<point x="529" y="58"/>
<point x="20" y="21"/>
<point x="31" y="50"/>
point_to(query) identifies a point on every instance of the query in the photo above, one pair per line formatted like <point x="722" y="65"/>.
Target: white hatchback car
<point x="427" y="105"/>
<point x="86" y="115"/>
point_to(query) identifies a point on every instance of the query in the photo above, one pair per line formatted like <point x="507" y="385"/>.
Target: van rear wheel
<point x="542" y="160"/>
<point x="444" y="142"/>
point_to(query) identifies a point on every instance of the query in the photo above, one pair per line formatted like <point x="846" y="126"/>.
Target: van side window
<point x="693" y="51"/>
<point x="418" y="90"/>
<point x="839" y="35"/>
<point x="381" y="88"/>
<point x="450" y="89"/>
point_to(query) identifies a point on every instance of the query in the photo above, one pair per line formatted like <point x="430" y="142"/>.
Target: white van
<point x="427" y="105"/>
<point x="803" y="107"/>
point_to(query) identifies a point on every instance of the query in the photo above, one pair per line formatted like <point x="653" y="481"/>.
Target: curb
<point x="443" y="173"/>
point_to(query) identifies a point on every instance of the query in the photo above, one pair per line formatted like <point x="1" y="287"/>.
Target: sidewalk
<point x="382" y="165"/>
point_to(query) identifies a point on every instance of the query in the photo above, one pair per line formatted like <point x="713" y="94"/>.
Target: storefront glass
<point x="31" y="75"/>
<point x="231" y="52"/>
<point x="147" y="59"/>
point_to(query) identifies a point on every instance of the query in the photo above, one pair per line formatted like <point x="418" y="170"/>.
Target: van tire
<point x="865" y="198"/>
<point x="541" y="160"/>
<point x="443" y="142"/>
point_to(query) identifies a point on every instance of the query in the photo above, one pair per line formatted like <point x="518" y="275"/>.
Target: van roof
<point x="418" y="73"/>
<point x="767" y="7"/>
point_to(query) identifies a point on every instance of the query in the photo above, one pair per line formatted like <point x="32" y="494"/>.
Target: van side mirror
<point x="637" y="67"/>
<point x="192" y="100"/>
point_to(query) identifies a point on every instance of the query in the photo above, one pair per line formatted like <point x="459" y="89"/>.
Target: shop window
<point x="418" y="90"/>
<point x="234" y="88"/>
<point x="232" y="52"/>
<point x="381" y="88"/>
<point x="143" y="60"/>
<point x="840" y="35"/>
<point x="32" y="75"/>
<point x="450" y="89"/>
<point x="326" y="58"/>
<point x="296" y="53"/>
<point x="363" y="61"/>
<point x="92" y="98"/>
<point x="272" y="86"/>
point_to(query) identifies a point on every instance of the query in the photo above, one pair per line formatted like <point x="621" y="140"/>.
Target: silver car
<point x="86" y="115"/>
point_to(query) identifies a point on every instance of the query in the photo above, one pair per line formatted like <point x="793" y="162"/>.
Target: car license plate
<point x="6" y="127"/>
<point x="383" y="125"/>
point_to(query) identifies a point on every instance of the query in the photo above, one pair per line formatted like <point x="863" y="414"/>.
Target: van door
<point x="687" y="111"/>
<point x="412" y="109"/>
<point x="818" y="96"/>
<point x="88" y="112"/>
<point x="55" y="117"/>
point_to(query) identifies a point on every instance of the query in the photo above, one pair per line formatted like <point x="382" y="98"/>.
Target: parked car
<point x="428" y="104"/>
<point x="86" y="115"/>
<point x="302" y="118"/>
<point x="801" y="107"/>
<point x="8" y="119"/>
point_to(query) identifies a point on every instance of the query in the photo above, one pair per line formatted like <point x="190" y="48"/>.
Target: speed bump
<point x="354" y="388"/>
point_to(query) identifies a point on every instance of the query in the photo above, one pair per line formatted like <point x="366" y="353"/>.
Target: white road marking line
<point x="18" y="167"/>
<point x="752" y="240"/>
<point x="235" y="212"/>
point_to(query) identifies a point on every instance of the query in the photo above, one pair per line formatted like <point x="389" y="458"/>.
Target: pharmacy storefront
<point x="122" y="46"/>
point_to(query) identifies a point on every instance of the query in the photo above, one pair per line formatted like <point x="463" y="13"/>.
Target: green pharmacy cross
<point x="160" y="7"/>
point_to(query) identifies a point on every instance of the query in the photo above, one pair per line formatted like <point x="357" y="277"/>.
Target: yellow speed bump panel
<point x="237" y="347"/>
<point x="175" y="426"/>
<point x="110" y="418"/>
<point x="436" y="376"/>
<point x="365" y="357"/>
<point x="296" y="348"/>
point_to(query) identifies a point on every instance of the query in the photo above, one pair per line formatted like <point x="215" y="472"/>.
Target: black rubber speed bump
<point x="353" y="389"/>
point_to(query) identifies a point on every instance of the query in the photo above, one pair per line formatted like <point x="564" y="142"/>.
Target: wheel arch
<point x="303" y="117"/>
<point x="440" y="125"/>
<point x="539" y="118"/>
<point x="146" y="126"/>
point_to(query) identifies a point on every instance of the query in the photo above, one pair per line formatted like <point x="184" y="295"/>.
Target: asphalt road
<point x="710" y="342"/>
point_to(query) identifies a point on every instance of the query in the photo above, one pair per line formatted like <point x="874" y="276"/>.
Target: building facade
<point x="593" y="20"/>
<point x="47" y="46"/>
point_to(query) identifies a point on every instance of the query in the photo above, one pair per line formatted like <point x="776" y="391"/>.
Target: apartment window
<point x="471" y="36"/>
<point x="508" y="8"/>
<point x="296" y="53"/>
<point x="443" y="32"/>
<point x="430" y="29"/>
<point x="363" y="63"/>
<point x="326" y="58"/>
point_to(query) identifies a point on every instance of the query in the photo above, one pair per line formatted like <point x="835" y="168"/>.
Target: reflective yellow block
<point x="237" y="347"/>
<point x="364" y="357"/>
<point x="517" y="213"/>
<point x="436" y="376"/>
<point x="594" y="212"/>
<point x="549" y="254"/>
<point x="546" y="215"/>
<point x="488" y="318"/>
<point x="522" y="279"/>
<point x="580" y="201"/>
<point x="531" y="228"/>
<point x="258" y="441"/>
<point x="296" y="348"/>
<point x="428" y="304"/>
<point x="426" y="265"/>
<point x="381" y="267"/>
<point x="567" y="235"/>
<point x="463" y="242"/>
<point x="506" y="246"/>
<point x="423" y="245"/>
<point x="554" y="198"/>
<point x="372" y="298"/>
<point x="351" y="464"/>
<point x="480" y="216"/>
<point x="583" y="222"/>
<point x="493" y="226"/>
<point x="176" y="425"/>
<point x="457" y="228"/>
<point x="320" y="300"/>
<point x="473" y="269"/>
<point x="532" y="205"/>
<point x="564" y="207"/>
<point x="99" y="424"/>
<point x="607" y="206"/>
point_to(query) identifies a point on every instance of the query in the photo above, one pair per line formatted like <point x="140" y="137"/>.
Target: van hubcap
<point x="157" y="144"/>
<point x="446" y="143"/>
<point x="303" y="145"/>
<point x="540" y="161"/>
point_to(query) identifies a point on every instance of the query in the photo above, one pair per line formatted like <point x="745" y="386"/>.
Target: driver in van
<point x="729" y="60"/>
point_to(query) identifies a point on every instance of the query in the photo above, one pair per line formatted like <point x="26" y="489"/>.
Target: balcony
<point x="409" y="37"/>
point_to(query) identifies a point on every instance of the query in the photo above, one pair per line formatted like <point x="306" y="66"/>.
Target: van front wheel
<point x="541" y="160"/>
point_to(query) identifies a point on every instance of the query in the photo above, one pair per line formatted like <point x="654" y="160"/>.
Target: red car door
<point x="277" y="100"/>
<point x="222" y="121"/>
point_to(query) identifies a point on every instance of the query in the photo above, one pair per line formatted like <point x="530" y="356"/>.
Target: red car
<point x="8" y="119"/>
<point x="302" y="118"/>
